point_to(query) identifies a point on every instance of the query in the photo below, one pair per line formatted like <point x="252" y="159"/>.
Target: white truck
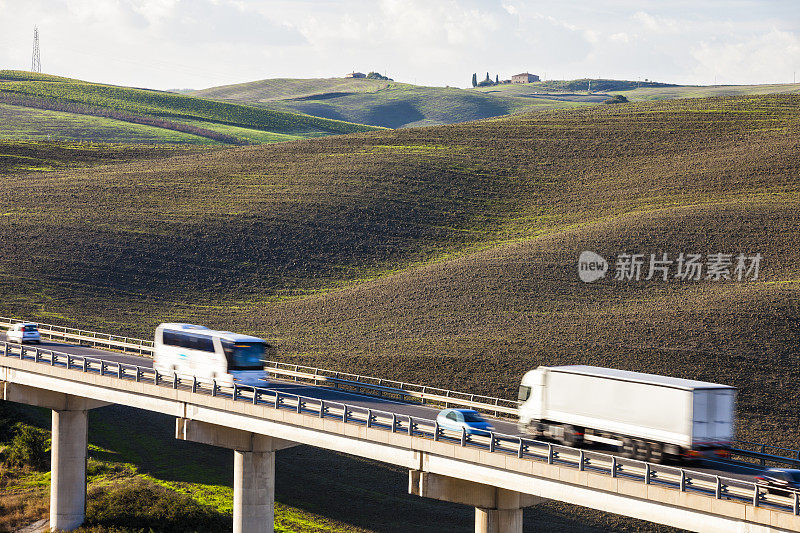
<point x="650" y="417"/>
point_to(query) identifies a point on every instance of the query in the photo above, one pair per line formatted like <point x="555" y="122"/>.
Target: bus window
<point x="187" y="340"/>
<point x="244" y="355"/>
<point x="171" y="338"/>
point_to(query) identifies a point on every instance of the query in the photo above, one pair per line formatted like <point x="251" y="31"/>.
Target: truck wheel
<point x="641" y="451"/>
<point x="532" y="428"/>
<point x="570" y="438"/>
<point x="655" y="453"/>
<point x="628" y="449"/>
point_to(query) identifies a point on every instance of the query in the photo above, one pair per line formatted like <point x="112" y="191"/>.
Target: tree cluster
<point x="616" y="99"/>
<point x="378" y="76"/>
<point x="487" y="82"/>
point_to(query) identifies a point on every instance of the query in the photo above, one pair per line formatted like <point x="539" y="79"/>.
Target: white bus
<point x="189" y="350"/>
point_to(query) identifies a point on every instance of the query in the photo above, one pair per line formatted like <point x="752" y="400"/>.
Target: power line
<point x="36" y="63"/>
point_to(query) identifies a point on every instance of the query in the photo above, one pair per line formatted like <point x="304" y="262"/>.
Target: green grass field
<point x="576" y="90"/>
<point x="662" y="93"/>
<point x="446" y="255"/>
<point x="287" y="88"/>
<point x="25" y="123"/>
<point x="380" y="103"/>
<point x="395" y="105"/>
<point x="94" y="111"/>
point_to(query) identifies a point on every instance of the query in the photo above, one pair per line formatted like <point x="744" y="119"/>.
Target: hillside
<point x="376" y="102"/>
<point x="226" y="237"/>
<point x="444" y="255"/>
<point x="576" y="90"/>
<point x="23" y="156"/>
<point x="573" y="86"/>
<point x="661" y="93"/>
<point x="140" y="115"/>
<point x="398" y="105"/>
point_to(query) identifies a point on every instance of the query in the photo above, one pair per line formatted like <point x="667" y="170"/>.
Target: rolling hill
<point x="447" y="255"/>
<point x="633" y="90"/>
<point x="380" y="103"/>
<point x="661" y="93"/>
<point x="396" y="105"/>
<point x="140" y="115"/>
<point x="471" y="233"/>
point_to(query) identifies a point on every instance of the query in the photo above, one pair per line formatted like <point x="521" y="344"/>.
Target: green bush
<point x="616" y="99"/>
<point x="378" y="76"/>
<point x="28" y="448"/>
<point x="139" y="505"/>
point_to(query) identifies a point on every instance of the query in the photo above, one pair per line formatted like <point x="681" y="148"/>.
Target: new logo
<point x="591" y="267"/>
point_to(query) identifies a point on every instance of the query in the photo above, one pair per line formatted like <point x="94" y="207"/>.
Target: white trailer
<point x="648" y="416"/>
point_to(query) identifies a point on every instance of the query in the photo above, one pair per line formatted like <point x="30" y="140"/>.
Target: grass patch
<point x="137" y="504"/>
<point x="29" y="124"/>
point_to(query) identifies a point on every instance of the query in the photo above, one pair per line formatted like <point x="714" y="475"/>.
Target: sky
<point x="168" y="44"/>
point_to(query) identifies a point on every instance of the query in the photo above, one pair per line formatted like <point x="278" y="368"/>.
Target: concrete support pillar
<point x="68" y="449"/>
<point x="498" y="520"/>
<point x="496" y="510"/>
<point x="253" y="492"/>
<point x="68" y="469"/>
<point x="505" y="516"/>
<point x="253" y="470"/>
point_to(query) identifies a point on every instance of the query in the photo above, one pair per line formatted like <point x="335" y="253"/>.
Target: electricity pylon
<point x="36" y="63"/>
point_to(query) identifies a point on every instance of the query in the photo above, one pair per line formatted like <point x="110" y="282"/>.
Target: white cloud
<point x="656" y="24"/>
<point x="621" y="37"/>
<point x="592" y="36"/>
<point x="179" y="43"/>
<point x="770" y="57"/>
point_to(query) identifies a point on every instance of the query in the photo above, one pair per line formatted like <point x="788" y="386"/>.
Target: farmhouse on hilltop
<point x="524" y="78"/>
<point x="355" y="75"/>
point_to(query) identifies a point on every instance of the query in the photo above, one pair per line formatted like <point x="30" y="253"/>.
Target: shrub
<point x="378" y="76"/>
<point x="28" y="448"/>
<point x="142" y="505"/>
<point x="616" y="99"/>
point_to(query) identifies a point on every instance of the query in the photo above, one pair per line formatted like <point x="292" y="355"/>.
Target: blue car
<point x="469" y="420"/>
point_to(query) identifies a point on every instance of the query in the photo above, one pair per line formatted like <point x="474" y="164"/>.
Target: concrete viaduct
<point x="498" y="475"/>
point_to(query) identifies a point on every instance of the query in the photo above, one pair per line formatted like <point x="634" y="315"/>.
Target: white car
<point x="24" y="332"/>
<point x="467" y="419"/>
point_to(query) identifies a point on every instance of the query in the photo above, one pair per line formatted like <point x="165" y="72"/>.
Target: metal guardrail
<point x="763" y="454"/>
<point x="680" y="479"/>
<point x="318" y="376"/>
<point x="393" y="389"/>
<point x="125" y="344"/>
<point x="767" y="454"/>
